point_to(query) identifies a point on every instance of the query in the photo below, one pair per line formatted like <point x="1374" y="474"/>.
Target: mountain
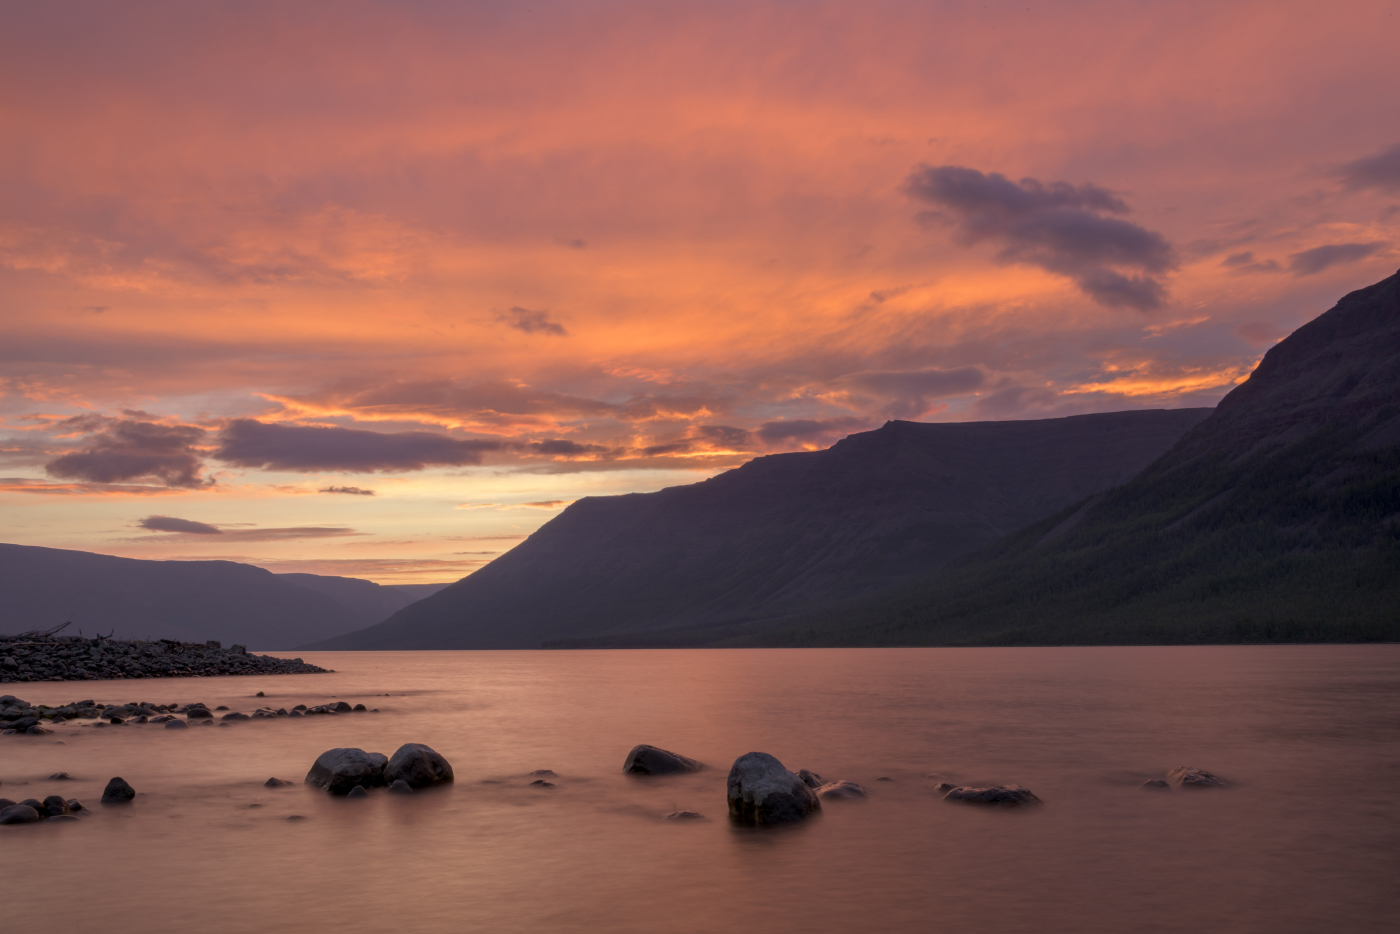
<point x="1276" y="519"/>
<point x="363" y="602"/>
<point x="187" y="600"/>
<point x="781" y="534"/>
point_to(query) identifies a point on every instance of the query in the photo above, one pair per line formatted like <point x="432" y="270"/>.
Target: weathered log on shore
<point x="74" y="658"/>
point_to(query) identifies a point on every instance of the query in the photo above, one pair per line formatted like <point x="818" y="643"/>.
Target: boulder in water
<point x="118" y="792"/>
<point x="176" y="725"/>
<point x="1186" y="777"/>
<point x="998" y="795"/>
<point x="419" y="765"/>
<point x="18" y="814"/>
<point x="842" y="789"/>
<point x="652" y="760"/>
<point x="54" y="805"/>
<point x="761" y="791"/>
<point x="341" y="769"/>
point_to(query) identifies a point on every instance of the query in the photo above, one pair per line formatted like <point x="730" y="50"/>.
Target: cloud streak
<point x="1062" y="228"/>
<point x="129" y="449"/>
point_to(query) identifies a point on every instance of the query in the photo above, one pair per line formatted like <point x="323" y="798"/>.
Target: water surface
<point x="1306" y="840"/>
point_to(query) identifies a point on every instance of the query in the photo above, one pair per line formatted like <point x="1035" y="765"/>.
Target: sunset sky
<point x="375" y="289"/>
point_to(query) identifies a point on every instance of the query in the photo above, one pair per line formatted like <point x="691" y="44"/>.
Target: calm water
<point x="1308" y="840"/>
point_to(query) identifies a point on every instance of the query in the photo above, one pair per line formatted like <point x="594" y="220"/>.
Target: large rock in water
<point x="418" y="765"/>
<point x="651" y="760"/>
<point x="761" y="791"/>
<point x="339" y="770"/>
<point x="18" y="814"/>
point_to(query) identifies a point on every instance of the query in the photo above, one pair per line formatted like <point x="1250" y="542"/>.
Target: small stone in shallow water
<point x="58" y="776"/>
<point x="419" y="765"/>
<point x="653" y="760"/>
<point x="54" y="805"/>
<point x="544" y="772"/>
<point x="1185" y="777"/>
<point x="360" y="707"/>
<point x="74" y="804"/>
<point x="999" y="795"/>
<point x="1156" y="784"/>
<point x="296" y="817"/>
<point x="176" y="725"/>
<point x="685" y="815"/>
<point x="841" y="789"/>
<point x="762" y="791"/>
<point x="542" y="783"/>
<point x="118" y="792"/>
<point x="274" y="783"/>
<point x="884" y="778"/>
<point x="260" y="694"/>
<point x="358" y="792"/>
<point x="400" y="787"/>
<point x="810" y="779"/>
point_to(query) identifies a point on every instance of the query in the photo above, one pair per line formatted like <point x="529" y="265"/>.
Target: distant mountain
<point x="1276" y="519"/>
<point x="781" y="534"/>
<point x="364" y="602"/>
<point x="187" y="600"/>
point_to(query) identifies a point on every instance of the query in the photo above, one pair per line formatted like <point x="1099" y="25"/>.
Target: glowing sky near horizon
<point x="376" y="288"/>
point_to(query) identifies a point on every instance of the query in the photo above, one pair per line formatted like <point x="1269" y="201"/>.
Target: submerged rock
<point x="176" y="725"/>
<point x="18" y="814"/>
<point x="359" y="791"/>
<point x="400" y="787"/>
<point x="1155" y="784"/>
<point x="685" y="815"/>
<point x="842" y="789"/>
<point x="810" y="779"/>
<point x="118" y="792"/>
<point x="419" y="765"/>
<point x="59" y="777"/>
<point x="1186" y="777"/>
<point x="652" y="760"/>
<point x="275" y="783"/>
<point x="762" y="791"/>
<point x="999" y="795"/>
<point x="54" y="805"/>
<point x="341" y="769"/>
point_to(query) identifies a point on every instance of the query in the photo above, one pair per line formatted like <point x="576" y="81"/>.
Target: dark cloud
<point x="1311" y="262"/>
<point x="724" y="435"/>
<point x="172" y="524"/>
<point x="558" y="447"/>
<point x="126" y="449"/>
<point x="1381" y="170"/>
<point x="1241" y="263"/>
<point x="804" y="430"/>
<point x="675" y="447"/>
<point x="247" y="442"/>
<point x="1059" y="227"/>
<point x="909" y="393"/>
<point x="532" y="322"/>
<point x="351" y="490"/>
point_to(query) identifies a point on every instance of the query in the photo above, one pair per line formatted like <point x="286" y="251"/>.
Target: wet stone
<point x="995" y="795"/>
<point x="357" y="792"/>
<point x="1155" y="784"/>
<point x="652" y="760"/>
<point x="275" y="783"/>
<point x="400" y="787"/>
<point x="118" y="792"/>
<point x="19" y="814"/>
<point x="1186" y="777"/>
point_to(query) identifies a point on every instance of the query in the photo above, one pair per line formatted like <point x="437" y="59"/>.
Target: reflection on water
<point x="1306" y="841"/>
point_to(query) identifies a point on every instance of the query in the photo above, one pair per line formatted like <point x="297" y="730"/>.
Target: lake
<point x="1307" y="839"/>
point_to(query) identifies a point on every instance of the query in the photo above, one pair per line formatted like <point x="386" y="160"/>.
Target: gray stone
<point x="419" y="765"/>
<point x="198" y="713"/>
<point x="339" y="770"/>
<point x="1185" y="777"/>
<point x="810" y="779"/>
<point x="400" y="787"/>
<point x="74" y="804"/>
<point x="761" y="791"/>
<point x="652" y="760"/>
<point x="842" y="789"/>
<point x="997" y="795"/>
<point x="18" y="814"/>
<point x="359" y="791"/>
<point x="55" y="805"/>
<point x="23" y="723"/>
<point x="176" y="725"/>
<point x="275" y="783"/>
<point x="235" y="715"/>
<point x="341" y="707"/>
<point x="118" y="792"/>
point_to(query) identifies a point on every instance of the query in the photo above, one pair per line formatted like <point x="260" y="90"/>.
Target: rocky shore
<point x="19" y="716"/>
<point x="74" y="658"/>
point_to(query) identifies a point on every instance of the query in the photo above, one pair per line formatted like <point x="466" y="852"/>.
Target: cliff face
<point x="1275" y="519"/>
<point x="782" y="533"/>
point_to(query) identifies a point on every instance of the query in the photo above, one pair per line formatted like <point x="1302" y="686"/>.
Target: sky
<point x="376" y="289"/>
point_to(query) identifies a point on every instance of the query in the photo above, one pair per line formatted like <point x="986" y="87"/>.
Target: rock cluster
<point x="349" y="771"/>
<point x="30" y="810"/>
<point x="74" y="658"/>
<point x="18" y="716"/>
